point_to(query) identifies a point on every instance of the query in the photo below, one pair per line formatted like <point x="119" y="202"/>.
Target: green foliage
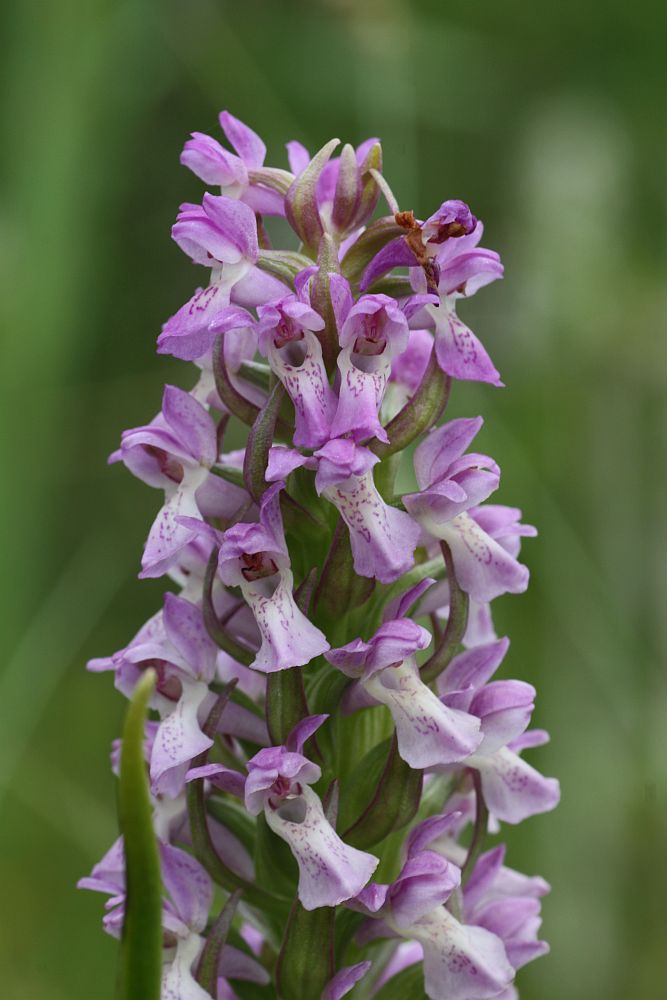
<point x="235" y="817"/>
<point x="141" y="946"/>
<point x="306" y="960"/>
<point x="209" y="960"/>
<point x="391" y="797"/>
<point x="408" y="983"/>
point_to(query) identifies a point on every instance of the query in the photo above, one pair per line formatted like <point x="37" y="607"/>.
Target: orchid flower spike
<point x="331" y="555"/>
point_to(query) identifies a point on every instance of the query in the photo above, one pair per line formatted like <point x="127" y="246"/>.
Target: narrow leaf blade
<point x="141" y="946"/>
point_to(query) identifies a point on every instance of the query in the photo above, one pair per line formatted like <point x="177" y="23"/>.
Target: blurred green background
<point x="550" y="120"/>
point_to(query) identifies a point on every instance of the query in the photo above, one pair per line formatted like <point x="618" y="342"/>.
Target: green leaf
<point x="396" y="285"/>
<point x="235" y="818"/>
<point x="347" y="924"/>
<point x="419" y="413"/>
<point x="259" y="444"/>
<point x="339" y="587"/>
<point x="325" y="686"/>
<point x="408" y="983"/>
<point x="141" y="946"/>
<point x="207" y="967"/>
<point x="384" y="594"/>
<point x="245" y="990"/>
<point x="306" y="960"/>
<point x="358" y="735"/>
<point x="394" y="799"/>
<point x="257" y="373"/>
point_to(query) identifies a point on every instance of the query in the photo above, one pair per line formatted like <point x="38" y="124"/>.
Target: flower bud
<point x="301" y="200"/>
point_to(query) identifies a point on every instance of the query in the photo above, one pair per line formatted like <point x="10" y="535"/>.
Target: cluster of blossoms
<point x="300" y="699"/>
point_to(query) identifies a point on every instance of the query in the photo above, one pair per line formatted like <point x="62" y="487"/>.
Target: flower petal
<point x="513" y="790"/>
<point x="329" y="870"/>
<point x="459" y="352"/>
<point x="428" y="732"/>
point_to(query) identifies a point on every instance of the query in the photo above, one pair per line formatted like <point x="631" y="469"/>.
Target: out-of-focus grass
<point x="549" y="120"/>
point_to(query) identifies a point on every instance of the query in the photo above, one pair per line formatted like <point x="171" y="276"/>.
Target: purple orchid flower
<point x="422" y="242"/>
<point x="176" y="645"/>
<point x="407" y="371"/>
<point x="220" y="234"/>
<point x="443" y="253"/>
<point x="278" y="784"/>
<point x="451" y="483"/>
<point x="374" y="331"/>
<point x="428" y="731"/>
<point x="461" y="962"/>
<point x="463" y="268"/>
<point x="495" y="897"/>
<point x="254" y="557"/>
<point x="330" y="871"/>
<point x="367" y="366"/>
<point x="383" y="538"/>
<point x="512" y="789"/>
<point x="184" y="916"/>
<point x="241" y="175"/>
<point x="286" y="336"/>
<point x="175" y="452"/>
<point x="503" y="525"/>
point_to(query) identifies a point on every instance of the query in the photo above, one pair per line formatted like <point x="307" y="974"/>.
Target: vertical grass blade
<point x="141" y="945"/>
